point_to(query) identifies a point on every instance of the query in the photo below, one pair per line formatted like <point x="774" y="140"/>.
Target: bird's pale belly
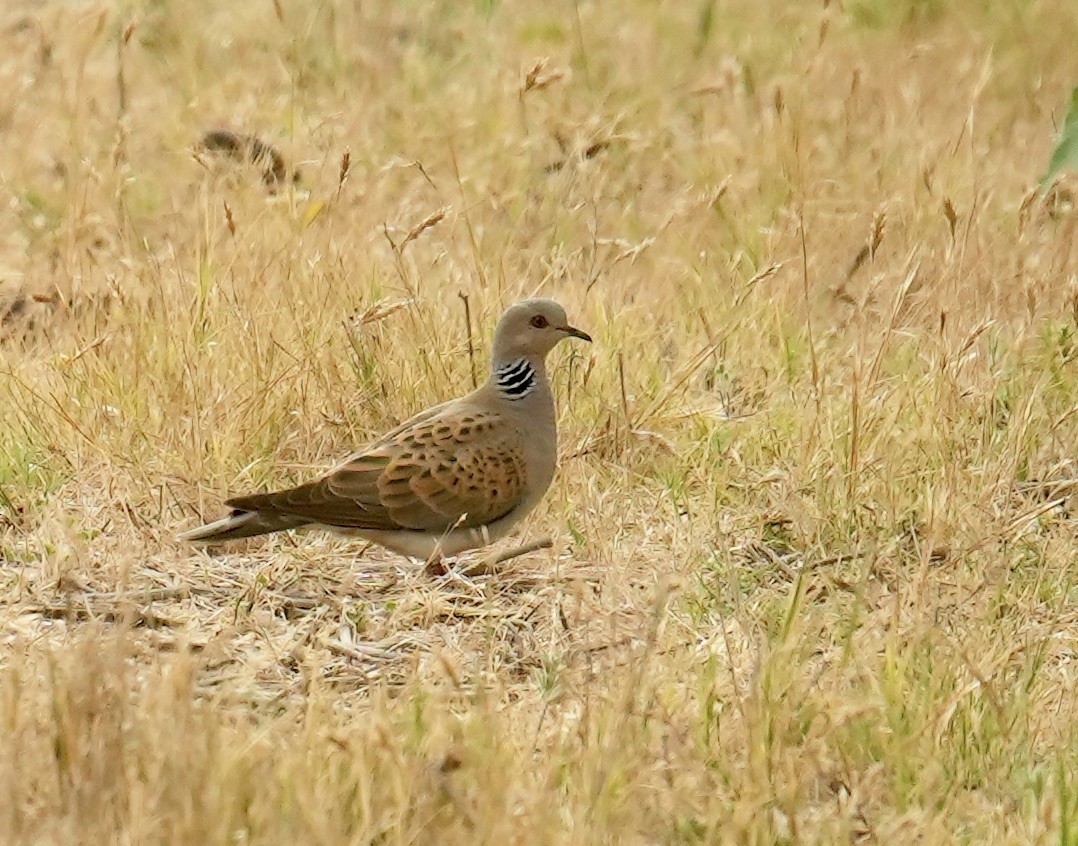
<point x="423" y="545"/>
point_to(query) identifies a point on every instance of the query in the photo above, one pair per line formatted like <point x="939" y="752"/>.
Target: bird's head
<point x="531" y="329"/>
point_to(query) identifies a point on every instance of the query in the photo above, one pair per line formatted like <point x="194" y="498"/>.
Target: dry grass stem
<point x="813" y="536"/>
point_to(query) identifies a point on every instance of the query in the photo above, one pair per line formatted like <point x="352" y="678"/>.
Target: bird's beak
<point x="573" y="332"/>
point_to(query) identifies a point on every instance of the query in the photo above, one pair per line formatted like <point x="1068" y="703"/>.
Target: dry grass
<point x="815" y="550"/>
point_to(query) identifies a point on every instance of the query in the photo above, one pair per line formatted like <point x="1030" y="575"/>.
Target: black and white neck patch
<point x="517" y="379"/>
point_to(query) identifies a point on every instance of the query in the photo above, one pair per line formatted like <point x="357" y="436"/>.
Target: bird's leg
<point x="435" y="563"/>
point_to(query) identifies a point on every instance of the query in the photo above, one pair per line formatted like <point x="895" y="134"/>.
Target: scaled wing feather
<point x="441" y="472"/>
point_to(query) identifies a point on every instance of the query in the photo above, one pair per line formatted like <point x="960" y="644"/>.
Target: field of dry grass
<point x="815" y="565"/>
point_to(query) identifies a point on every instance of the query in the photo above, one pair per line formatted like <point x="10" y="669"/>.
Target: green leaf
<point x="704" y="26"/>
<point x="1066" y="149"/>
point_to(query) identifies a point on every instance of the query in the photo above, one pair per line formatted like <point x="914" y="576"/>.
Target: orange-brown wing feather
<point x="439" y="473"/>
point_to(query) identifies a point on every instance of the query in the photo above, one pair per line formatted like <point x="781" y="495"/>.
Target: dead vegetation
<point x="812" y="572"/>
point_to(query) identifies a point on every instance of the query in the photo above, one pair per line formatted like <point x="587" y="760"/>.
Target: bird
<point x="452" y="478"/>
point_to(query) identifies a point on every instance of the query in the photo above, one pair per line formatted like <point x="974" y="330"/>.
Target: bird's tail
<point x="241" y="524"/>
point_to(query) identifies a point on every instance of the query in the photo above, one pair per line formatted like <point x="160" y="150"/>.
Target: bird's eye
<point x="539" y="322"/>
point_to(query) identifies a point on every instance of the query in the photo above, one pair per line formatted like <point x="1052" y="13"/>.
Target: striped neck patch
<point x="516" y="380"/>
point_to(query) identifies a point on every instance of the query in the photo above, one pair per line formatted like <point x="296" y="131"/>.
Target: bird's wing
<point x="452" y="469"/>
